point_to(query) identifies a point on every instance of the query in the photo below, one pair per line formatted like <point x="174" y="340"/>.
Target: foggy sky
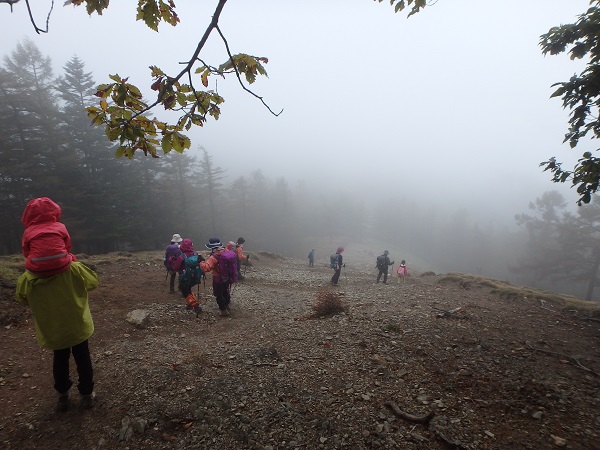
<point x="449" y="107"/>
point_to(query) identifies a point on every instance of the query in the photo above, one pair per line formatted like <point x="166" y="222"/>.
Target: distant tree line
<point x="562" y="250"/>
<point x="48" y="148"/>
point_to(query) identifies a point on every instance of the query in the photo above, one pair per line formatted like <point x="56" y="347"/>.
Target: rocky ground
<point x="401" y="368"/>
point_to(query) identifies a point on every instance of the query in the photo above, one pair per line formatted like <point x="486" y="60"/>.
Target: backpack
<point x="227" y="267"/>
<point x="171" y="257"/>
<point x="170" y="263"/>
<point x="192" y="273"/>
<point x="333" y="261"/>
<point x="381" y="264"/>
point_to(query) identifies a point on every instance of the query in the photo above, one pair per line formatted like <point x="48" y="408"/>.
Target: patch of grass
<point x="392" y="327"/>
<point x="11" y="267"/>
<point x="328" y="304"/>
<point x="428" y="274"/>
<point x="507" y="291"/>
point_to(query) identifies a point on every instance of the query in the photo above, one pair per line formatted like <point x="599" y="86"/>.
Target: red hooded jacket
<point x="46" y="242"/>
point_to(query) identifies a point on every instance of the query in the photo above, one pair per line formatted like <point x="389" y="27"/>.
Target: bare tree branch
<point x="239" y="78"/>
<point x="36" y="28"/>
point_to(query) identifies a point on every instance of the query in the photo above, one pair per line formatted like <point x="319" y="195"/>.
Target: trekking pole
<point x="165" y="283"/>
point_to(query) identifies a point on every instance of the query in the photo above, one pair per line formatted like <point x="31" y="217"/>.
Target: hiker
<point x="190" y="274"/>
<point x="59" y="303"/>
<point x="222" y="264"/>
<point x="337" y="264"/>
<point x="383" y="261"/>
<point x="239" y="252"/>
<point x="402" y="271"/>
<point x="172" y="252"/>
<point x="311" y="258"/>
<point x="46" y="242"/>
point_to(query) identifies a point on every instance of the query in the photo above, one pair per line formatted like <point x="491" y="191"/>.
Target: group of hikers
<point x="55" y="286"/>
<point x="223" y="263"/>
<point x="382" y="264"/>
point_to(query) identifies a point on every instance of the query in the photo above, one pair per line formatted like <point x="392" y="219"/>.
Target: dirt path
<point x="503" y="374"/>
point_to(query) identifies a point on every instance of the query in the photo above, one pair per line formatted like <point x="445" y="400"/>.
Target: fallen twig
<point x="398" y="412"/>
<point x="452" y="313"/>
<point x="543" y="305"/>
<point x="570" y="358"/>
<point x="4" y="284"/>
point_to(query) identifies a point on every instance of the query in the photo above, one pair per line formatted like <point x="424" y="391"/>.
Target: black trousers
<point x="222" y="293"/>
<point x="336" y="276"/>
<point x="384" y="273"/>
<point x="83" y="361"/>
<point x="172" y="274"/>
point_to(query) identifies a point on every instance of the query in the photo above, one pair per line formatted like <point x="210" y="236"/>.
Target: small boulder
<point x="138" y="317"/>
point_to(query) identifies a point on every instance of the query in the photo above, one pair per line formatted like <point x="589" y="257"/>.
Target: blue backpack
<point x="192" y="273"/>
<point x="333" y="261"/>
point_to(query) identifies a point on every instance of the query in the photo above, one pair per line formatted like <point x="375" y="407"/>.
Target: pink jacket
<point x="46" y="242"/>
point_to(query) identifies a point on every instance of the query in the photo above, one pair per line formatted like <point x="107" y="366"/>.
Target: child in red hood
<point x="46" y="242"/>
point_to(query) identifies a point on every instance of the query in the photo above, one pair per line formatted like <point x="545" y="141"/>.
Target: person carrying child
<point x="402" y="271"/>
<point x="222" y="264"/>
<point x="46" y="243"/>
<point x="57" y="293"/>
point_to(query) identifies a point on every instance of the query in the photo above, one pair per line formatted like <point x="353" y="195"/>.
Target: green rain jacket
<point x="60" y="305"/>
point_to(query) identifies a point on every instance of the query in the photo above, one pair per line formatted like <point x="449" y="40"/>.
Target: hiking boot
<point x="88" y="401"/>
<point x="224" y="312"/>
<point x="197" y="310"/>
<point x="62" y="403"/>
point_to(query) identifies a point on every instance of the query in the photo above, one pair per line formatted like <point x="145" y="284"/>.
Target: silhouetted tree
<point x="211" y="185"/>
<point x="562" y="245"/>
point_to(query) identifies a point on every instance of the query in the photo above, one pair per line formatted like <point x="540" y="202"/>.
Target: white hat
<point x="176" y="238"/>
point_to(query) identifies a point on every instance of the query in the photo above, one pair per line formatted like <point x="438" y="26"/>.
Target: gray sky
<point x="450" y="106"/>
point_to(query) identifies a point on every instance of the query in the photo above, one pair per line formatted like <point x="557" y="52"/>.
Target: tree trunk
<point x="593" y="275"/>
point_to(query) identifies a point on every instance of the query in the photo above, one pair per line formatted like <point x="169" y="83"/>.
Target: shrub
<point x="328" y="304"/>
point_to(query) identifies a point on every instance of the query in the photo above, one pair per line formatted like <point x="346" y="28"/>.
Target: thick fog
<point x="449" y="109"/>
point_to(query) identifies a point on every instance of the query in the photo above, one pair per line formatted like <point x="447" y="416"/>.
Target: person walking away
<point x="338" y="264"/>
<point x="172" y="252"/>
<point x="55" y="286"/>
<point x="239" y="252"/>
<point x="46" y="243"/>
<point x="311" y="258"/>
<point x="222" y="264"/>
<point x="383" y="262"/>
<point x="402" y="271"/>
<point x="187" y="265"/>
